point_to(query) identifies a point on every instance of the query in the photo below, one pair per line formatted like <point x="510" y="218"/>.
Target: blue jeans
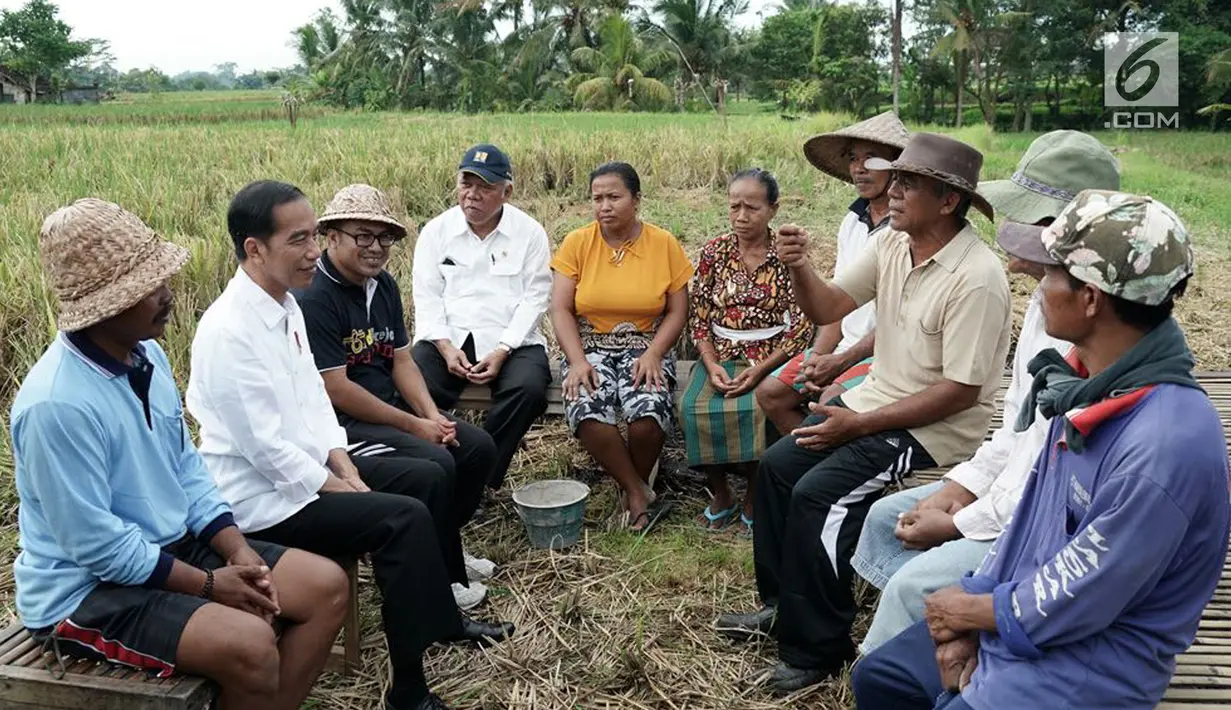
<point x="904" y="576"/>
<point x="902" y="675"/>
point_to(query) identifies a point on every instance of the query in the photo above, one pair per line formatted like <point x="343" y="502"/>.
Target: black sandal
<point x="652" y="515"/>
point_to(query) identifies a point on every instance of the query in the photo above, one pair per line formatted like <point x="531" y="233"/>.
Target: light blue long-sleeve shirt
<point x="101" y="489"/>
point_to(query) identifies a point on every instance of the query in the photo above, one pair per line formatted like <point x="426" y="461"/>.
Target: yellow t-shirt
<point x="627" y="297"/>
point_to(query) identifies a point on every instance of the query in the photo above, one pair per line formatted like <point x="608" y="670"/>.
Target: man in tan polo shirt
<point x="942" y="336"/>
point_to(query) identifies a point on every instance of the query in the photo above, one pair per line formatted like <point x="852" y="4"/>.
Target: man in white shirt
<point x="842" y="353"/>
<point x="481" y="283"/>
<point x="273" y="445"/>
<point x="925" y="538"/>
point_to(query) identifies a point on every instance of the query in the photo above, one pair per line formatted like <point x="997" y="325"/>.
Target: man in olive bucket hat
<point x="842" y="352"/>
<point x="1119" y="540"/>
<point x="128" y="551"/>
<point x="943" y="326"/>
<point x="924" y="538"/>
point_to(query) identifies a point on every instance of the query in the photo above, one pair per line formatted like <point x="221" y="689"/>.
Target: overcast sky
<point x="178" y="36"/>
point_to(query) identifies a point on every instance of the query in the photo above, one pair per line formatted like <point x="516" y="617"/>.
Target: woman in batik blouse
<point x="744" y="322"/>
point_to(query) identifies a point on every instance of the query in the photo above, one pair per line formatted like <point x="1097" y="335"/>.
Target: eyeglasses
<point x="366" y="239"/>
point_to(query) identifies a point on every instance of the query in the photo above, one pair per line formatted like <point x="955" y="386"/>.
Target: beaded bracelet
<point x="207" y="592"/>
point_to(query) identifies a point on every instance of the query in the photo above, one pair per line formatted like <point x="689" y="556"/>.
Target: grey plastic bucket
<point x="552" y="511"/>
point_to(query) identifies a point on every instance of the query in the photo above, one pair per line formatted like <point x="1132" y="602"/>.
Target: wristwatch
<point x="504" y="347"/>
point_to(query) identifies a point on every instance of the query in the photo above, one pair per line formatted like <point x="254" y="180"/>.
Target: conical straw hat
<point x="828" y="150"/>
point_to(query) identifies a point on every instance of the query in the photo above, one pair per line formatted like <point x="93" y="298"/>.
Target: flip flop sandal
<point x="653" y="514"/>
<point x="746" y="531"/>
<point x="715" y="522"/>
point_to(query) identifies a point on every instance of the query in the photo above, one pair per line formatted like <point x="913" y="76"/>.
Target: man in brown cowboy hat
<point x="840" y="346"/>
<point x="357" y="329"/>
<point x="924" y="538"/>
<point x="943" y="325"/>
<point x="129" y="553"/>
<point x="272" y="442"/>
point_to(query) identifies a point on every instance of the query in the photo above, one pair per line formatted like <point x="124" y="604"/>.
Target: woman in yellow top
<point x="619" y="303"/>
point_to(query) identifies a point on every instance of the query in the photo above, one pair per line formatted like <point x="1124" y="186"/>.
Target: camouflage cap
<point x="1130" y="246"/>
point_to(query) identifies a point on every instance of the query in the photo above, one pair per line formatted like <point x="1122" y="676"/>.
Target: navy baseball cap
<point x="488" y="162"/>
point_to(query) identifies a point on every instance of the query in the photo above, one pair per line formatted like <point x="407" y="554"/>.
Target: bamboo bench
<point x="27" y="681"/>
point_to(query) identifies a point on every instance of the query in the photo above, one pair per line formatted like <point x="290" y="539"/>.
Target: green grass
<point x="176" y="159"/>
<point x="203" y="107"/>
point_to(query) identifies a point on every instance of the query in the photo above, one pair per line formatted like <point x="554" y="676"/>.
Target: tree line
<point x="1014" y="64"/>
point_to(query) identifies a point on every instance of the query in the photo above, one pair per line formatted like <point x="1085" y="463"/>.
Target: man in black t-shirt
<point x="356" y="327"/>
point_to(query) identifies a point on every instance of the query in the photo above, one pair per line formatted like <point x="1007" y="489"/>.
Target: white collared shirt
<point x="267" y="425"/>
<point x="495" y="289"/>
<point x="999" y="470"/>
<point x="854" y="236"/>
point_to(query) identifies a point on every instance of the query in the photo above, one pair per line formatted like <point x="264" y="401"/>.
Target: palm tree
<point x="897" y="52"/>
<point x="957" y="44"/>
<point x="978" y="29"/>
<point x="700" y="32"/>
<point x="318" y="40"/>
<point x="1218" y="77"/>
<point x="613" y="76"/>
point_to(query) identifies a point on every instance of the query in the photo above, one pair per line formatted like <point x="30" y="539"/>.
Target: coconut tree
<point x="699" y="31"/>
<point x="614" y="76"/>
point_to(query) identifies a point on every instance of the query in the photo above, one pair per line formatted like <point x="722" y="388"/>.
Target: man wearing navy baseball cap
<point x="481" y="285"/>
<point x="488" y="162"/>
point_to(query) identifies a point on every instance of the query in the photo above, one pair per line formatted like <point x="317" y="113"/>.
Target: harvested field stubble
<point x="617" y="621"/>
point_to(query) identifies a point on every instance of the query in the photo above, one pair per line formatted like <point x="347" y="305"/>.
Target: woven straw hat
<point x="102" y="260"/>
<point x="828" y="150"/>
<point x="360" y="202"/>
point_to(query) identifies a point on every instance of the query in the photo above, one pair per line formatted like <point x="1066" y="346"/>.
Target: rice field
<point x="619" y="621"/>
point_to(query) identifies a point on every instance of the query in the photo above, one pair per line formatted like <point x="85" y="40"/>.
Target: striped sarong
<point x="718" y="430"/>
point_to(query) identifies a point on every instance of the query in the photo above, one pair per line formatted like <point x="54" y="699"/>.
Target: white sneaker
<point x="478" y="569"/>
<point x="468" y="598"/>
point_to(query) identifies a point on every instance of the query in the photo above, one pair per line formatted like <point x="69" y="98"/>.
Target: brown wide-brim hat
<point x="362" y="203"/>
<point x="102" y="260"/>
<point x="941" y="158"/>
<point x="827" y="151"/>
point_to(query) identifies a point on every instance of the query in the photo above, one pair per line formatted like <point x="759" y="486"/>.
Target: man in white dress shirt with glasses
<point x="481" y="285"/>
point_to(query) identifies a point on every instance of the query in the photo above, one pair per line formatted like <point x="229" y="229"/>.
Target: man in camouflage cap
<point x="1117" y="545"/>
<point x="1128" y="246"/>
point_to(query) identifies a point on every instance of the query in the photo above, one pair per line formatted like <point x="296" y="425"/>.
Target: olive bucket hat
<point x="1056" y="167"/>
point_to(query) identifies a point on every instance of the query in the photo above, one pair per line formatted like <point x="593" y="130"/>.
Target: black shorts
<point x="138" y="626"/>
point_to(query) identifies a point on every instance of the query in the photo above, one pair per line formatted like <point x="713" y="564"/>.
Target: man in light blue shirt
<point x="128" y="552"/>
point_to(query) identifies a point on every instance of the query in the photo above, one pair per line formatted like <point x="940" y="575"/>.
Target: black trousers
<point x="396" y="528"/>
<point x="468" y="465"/>
<point x="519" y="395"/>
<point x="810" y="507"/>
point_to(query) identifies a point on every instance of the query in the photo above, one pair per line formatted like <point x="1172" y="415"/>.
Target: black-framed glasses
<point x="366" y="239"/>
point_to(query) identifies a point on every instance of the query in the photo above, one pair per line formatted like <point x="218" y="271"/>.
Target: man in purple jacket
<point x="1119" y="540"/>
